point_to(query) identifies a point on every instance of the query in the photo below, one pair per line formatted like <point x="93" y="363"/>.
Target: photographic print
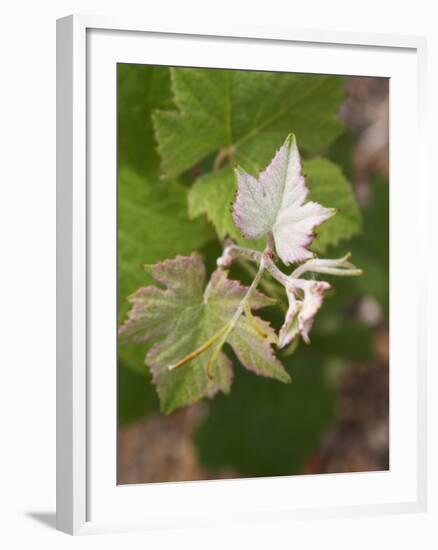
<point x="253" y="274"/>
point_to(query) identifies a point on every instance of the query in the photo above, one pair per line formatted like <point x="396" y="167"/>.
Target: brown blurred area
<point x="161" y="447"/>
<point x="359" y="439"/>
<point x="366" y="114"/>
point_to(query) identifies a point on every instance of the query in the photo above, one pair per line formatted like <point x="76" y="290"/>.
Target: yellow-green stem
<point x="200" y="350"/>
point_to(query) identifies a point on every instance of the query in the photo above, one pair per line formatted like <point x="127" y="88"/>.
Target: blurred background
<point x="334" y="417"/>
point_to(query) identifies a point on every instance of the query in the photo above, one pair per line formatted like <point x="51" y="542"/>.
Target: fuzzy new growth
<point x="192" y="321"/>
<point x="275" y="205"/>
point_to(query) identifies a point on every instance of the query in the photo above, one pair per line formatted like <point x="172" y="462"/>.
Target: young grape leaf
<point x="212" y="195"/>
<point x="186" y="315"/>
<point x="276" y="203"/>
<point x="328" y="185"/>
<point x="244" y="114"/>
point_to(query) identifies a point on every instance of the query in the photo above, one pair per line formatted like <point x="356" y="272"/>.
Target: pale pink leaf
<point x="276" y="203"/>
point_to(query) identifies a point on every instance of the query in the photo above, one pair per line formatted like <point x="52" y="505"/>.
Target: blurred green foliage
<point x="140" y="90"/>
<point x="371" y="248"/>
<point x="262" y="427"/>
<point x="246" y="113"/>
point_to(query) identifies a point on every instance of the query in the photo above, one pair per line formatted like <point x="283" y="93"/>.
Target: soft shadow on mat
<point x="46" y="518"/>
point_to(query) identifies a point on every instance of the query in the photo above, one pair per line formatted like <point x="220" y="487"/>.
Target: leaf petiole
<point x="230" y="326"/>
<point x="226" y="153"/>
<point x="199" y="350"/>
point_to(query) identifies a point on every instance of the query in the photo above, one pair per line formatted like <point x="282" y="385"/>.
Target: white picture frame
<point x="88" y="500"/>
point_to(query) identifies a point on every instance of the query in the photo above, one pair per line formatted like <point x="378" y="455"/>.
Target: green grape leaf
<point x="244" y="114"/>
<point x="184" y="316"/>
<point x="153" y="224"/>
<point x="212" y="194"/>
<point x="139" y="90"/>
<point x="328" y="185"/>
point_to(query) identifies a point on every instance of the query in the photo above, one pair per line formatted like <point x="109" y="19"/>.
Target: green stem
<point x="221" y="157"/>
<point x="199" y="350"/>
<point x="268" y="286"/>
<point x="234" y="319"/>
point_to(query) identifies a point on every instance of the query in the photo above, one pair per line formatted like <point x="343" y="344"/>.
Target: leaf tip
<point x="290" y="139"/>
<point x="238" y="170"/>
<point x="285" y="377"/>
